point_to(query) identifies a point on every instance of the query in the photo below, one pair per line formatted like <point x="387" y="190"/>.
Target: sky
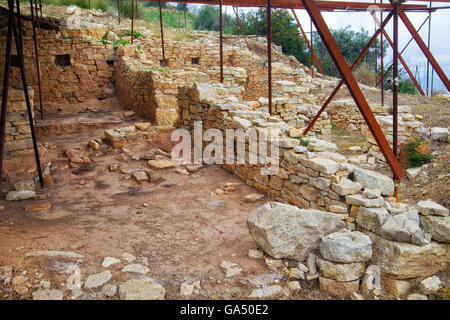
<point x="440" y="36"/>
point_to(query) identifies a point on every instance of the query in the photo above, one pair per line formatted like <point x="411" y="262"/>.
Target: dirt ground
<point x="179" y="226"/>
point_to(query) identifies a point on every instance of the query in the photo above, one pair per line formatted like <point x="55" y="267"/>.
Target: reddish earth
<point x="179" y="224"/>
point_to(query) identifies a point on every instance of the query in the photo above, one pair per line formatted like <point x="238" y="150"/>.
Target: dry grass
<point x="364" y="74"/>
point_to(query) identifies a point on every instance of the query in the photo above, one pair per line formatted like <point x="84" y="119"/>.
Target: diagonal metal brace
<point x="336" y="54"/>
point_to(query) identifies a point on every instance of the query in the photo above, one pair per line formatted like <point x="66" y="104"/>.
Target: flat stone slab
<point x="98" y="279"/>
<point x="160" y="164"/>
<point x="432" y="208"/>
<point x="136" y="268"/>
<point x="65" y="254"/>
<point x="48" y="294"/>
<point x="141" y="289"/>
<point x="109" y="261"/>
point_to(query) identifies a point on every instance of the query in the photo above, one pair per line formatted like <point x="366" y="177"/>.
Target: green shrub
<point x="407" y="86"/>
<point x="122" y="42"/>
<point x="416" y="157"/>
<point x="303" y="141"/>
<point x="136" y="34"/>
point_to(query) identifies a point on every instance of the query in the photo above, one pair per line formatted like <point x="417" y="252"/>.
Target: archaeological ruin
<point x="118" y="218"/>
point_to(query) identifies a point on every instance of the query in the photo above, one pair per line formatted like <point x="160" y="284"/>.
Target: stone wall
<point x="401" y="245"/>
<point x="75" y="65"/>
<point x="18" y="133"/>
<point x="345" y="114"/>
<point x="152" y="91"/>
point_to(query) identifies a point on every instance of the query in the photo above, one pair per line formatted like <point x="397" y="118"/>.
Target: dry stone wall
<point x="379" y="231"/>
<point x="345" y="114"/>
<point x="75" y="65"/>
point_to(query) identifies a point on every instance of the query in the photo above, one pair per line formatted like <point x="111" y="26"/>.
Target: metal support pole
<point x="18" y="41"/>
<point x="269" y="53"/>
<point x="307" y="41"/>
<point x="339" y="60"/>
<point x="185" y="20"/>
<point x="40" y="7"/>
<point x="312" y="47"/>
<point x="354" y="65"/>
<point x="118" y="11"/>
<point x="401" y="59"/>
<point x="132" y="21"/>
<point x="382" y="57"/>
<point x="38" y="64"/>
<point x="428" y="46"/>
<point x="403" y="50"/>
<point x="424" y="48"/>
<point x="37" y="12"/>
<point x="5" y="86"/>
<point x="321" y="52"/>
<point x="221" y="40"/>
<point x="395" y="81"/>
<point x="376" y="52"/>
<point x="161" y="27"/>
<point x="395" y="92"/>
<point x="137" y="10"/>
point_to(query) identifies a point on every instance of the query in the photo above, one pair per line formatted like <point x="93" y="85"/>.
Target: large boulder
<point x="346" y="247"/>
<point x="402" y="260"/>
<point x="371" y="179"/>
<point x="285" y="231"/>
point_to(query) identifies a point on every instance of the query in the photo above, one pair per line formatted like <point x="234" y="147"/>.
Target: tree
<point x="155" y="4"/>
<point x="351" y="43"/>
<point x="208" y="19"/>
<point x="254" y="23"/>
<point x="181" y="6"/>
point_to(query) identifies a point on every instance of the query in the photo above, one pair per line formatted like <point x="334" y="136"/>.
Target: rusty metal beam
<point x="296" y="4"/>
<point x="5" y="88"/>
<point x="404" y="48"/>
<point x="382" y="59"/>
<point x="221" y="40"/>
<point x="161" y="27"/>
<point x="354" y="65"/>
<point x="391" y="43"/>
<point x="395" y="82"/>
<point x="269" y="53"/>
<point x="423" y="47"/>
<point x="118" y="10"/>
<point x="36" y="55"/>
<point x="339" y="60"/>
<point x="17" y="31"/>
<point x="132" y="21"/>
<point x="306" y="39"/>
